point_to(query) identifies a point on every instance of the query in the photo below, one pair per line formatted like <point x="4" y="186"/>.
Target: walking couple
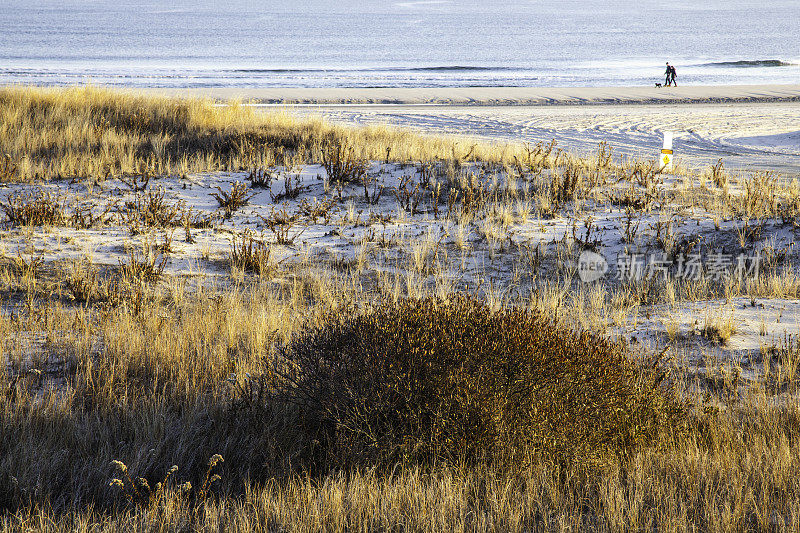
<point x="670" y="76"/>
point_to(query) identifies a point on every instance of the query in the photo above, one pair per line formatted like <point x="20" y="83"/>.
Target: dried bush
<point x="144" y="266"/>
<point x="292" y="188"/>
<point x="645" y="174"/>
<point x="536" y="157"/>
<point x="566" y="186"/>
<point x="136" y="182"/>
<point x="191" y="220"/>
<point x="197" y="220"/>
<point x="230" y="201"/>
<point x="718" y="175"/>
<point x="20" y="267"/>
<point x="604" y="156"/>
<point x="789" y="209"/>
<point x="152" y="210"/>
<point x="781" y="363"/>
<point x="261" y="178"/>
<point x="84" y="216"/>
<point x="251" y="254"/>
<point x="471" y="196"/>
<point x="39" y="207"/>
<point x="34" y="208"/>
<point x="84" y="283"/>
<point x="407" y="194"/>
<point x="341" y="163"/>
<point x="280" y="223"/>
<point x="633" y="197"/>
<point x="760" y="198"/>
<point x="317" y="209"/>
<point x="433" y="380"/>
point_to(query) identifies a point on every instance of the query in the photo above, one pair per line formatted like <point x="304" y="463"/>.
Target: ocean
<point x="426" y="43"/>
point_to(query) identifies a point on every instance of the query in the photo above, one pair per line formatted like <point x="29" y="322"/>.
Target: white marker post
<point x="666" y="152"/>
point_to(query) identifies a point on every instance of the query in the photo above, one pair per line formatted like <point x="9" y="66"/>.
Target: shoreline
<point x="493" y="96"/>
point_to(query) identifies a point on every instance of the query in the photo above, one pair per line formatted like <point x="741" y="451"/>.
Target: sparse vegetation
<point x="281" y="223"/>
<point x="234" y="199"/>
<point x="261" y="178"/>
<point x="291" y="189"/>
<point x="251" y="255"/>
<point x="152" y="210"/>
<point x="35" y="208"/>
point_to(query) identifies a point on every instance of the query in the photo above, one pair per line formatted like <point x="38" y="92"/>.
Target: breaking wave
<point x="443" y="68"/>
<point x="751" y="63"/>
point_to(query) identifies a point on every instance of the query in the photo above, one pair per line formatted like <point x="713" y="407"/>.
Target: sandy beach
<point x="505" y="96"/>
<point x="747" y="126"/>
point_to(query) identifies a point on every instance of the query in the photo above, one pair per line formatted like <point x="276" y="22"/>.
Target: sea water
<point x="374" y="43"/>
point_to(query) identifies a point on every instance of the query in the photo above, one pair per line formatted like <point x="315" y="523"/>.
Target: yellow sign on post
<point x="666" y="152"/>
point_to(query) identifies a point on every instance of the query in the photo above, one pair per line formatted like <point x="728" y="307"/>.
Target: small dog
<point x="658" y="85"/>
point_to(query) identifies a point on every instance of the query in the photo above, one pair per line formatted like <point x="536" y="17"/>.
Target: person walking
<point x="673" y="75"/>
<point x="668" y="74"/>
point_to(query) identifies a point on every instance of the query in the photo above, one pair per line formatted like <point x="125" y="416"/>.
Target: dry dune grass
<point x="696" y="486"/>
<point x="90" y="133"/>
<point x="128" y="364"/>
<point x="191" y="373"/>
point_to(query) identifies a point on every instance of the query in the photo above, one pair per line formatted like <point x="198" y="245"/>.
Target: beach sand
<point x="744" y="135"/>
<point x="503" y="96"/>
<point x="747" y="126"/>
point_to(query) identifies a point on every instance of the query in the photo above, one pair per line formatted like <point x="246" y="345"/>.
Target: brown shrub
<point x="251" y="255"/>
<point x="432" y="380"/>
<point x="152" y="210"/>
<point x="232" y="200"/>
<point x="341" y="163"/>
<point x="35" y="208"/>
